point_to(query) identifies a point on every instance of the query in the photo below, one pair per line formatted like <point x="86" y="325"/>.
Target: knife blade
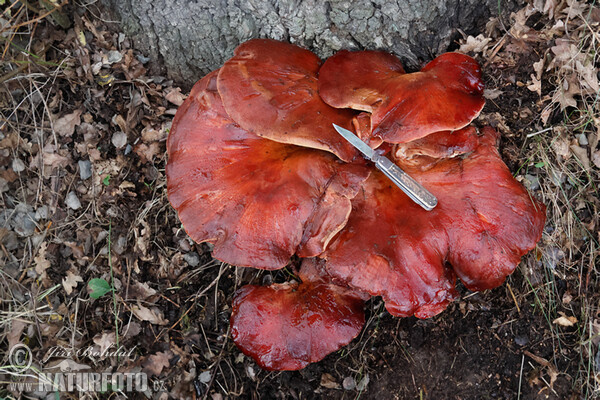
<point x="407" y="184"/>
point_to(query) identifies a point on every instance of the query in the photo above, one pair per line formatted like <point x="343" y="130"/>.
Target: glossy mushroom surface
<point x="288" y="326"/>
<point x="485" y="221"/>
<point x="257" y="200"/>
<point x="270" y="88"/>
<point x="447" y="94"/>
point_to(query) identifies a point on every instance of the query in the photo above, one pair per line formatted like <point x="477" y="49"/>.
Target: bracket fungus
<point x="256" y="168"/>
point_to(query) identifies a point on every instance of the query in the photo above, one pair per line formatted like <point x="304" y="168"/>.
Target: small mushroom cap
<point x="270" y="88"/>
<point x="447" y="94"/>
<point x="257" y="200"/>
<point x="485" y="221"/>
<point x="287" y="326"/>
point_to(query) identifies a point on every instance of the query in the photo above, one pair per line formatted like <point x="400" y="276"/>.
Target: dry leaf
<point x="546" y="112"/>
<point x="552" y="372"/>
<point x="535" y="85"/>
<point x="564" y="95"/>
<point x="564" y="51"/>
<point x="118" y="120"/>
<point x="14" y="333"/>
<point x="574" y="9"/>
<point x="329" y="382"/>
<point x="40" y="262"/>
<point x="561" y="148"/>
<point x="582" y="155"/>
<point x="563" y="320"/>
<point x="105" y="341"/>
<point x="70" y="281"/>
<point x="174" y="96"/>
<point x="155" y="363"/>
<point x="475" y="44"/>
<point x="589" y="74"/>
<point x="154" y="315"/>
<point x="149" y="134"/>
<point x="491" y="94"/>
<point x="538" y="67"/>
<point x="549" y="7"/>
<point x="65" y="125"/>
<point x="51" y="158"/>
<point x="596" y="158"/>
<point x="147" y="152"/>
<point x="141" y="291"/>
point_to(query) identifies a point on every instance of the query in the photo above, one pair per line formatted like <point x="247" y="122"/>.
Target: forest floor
<point x="92" y="255"/>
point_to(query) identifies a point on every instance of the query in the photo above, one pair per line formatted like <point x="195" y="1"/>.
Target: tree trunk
<point x="187" y="39"/>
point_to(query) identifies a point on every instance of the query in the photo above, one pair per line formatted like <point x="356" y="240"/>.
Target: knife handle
<point x="412" y="188"/>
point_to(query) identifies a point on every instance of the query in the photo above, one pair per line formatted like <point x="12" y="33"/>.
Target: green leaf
<point x="106" y="180"/>
<point x="99" y="287"/>
<point x="540" y="164"/>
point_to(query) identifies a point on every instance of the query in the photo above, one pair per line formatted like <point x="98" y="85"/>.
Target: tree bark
<point x="188" y="39"/>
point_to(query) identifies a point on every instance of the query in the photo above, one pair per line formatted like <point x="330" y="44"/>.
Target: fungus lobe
<point x="270" y="88"/>
<point x="257" y="200"/>
<point x="288" y="326"/>
<point x="447" y="94"/>
<point x="484" y="223"/>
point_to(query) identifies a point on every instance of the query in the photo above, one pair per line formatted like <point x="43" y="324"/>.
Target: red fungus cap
<point x="257" y="200"/>
<point x="447" y="94"/>
<point x="270" y="88"/>
<point x="484" y="222"/>
<point x="287" y="326"/>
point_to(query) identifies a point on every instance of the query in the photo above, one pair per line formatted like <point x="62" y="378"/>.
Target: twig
<point x="529" y="135"/>
<point x="514" y="298"/>
<point x="521" y="376"/>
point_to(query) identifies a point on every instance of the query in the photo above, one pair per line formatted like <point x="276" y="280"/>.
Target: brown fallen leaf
<point x="70" y="281"/>
<point x="174" y="96"/>
<point x="118" y="120"/>
<point x="141" y="291"/>
<point x="155" y="363"/>
<point x="596" y="158"/>
<point x="561" y="148"/>
<point x="150" y="134"/>
<point x="546" y="112"/>
<point x="154" y="315"/>
<point x="66" y="365"/>
<point x="552" y="371"/>
<point x="132" y="329"/>
<point x="105" y="341"/>
<point x="492" y="94"/>
<point x="595" y="332"/>
<point x="40" y="262"/>
<point x="14" y="333"/>
<point x="476" y="44"/>
<point x="582" y="155"/>
<point x="329" y="382"/>
<point x="565" y="93"/>
<point x="535" y="85"/>
<point x="563" y="320"/>
<point x="65" y="125"/>
<point x="147" y="152"/>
